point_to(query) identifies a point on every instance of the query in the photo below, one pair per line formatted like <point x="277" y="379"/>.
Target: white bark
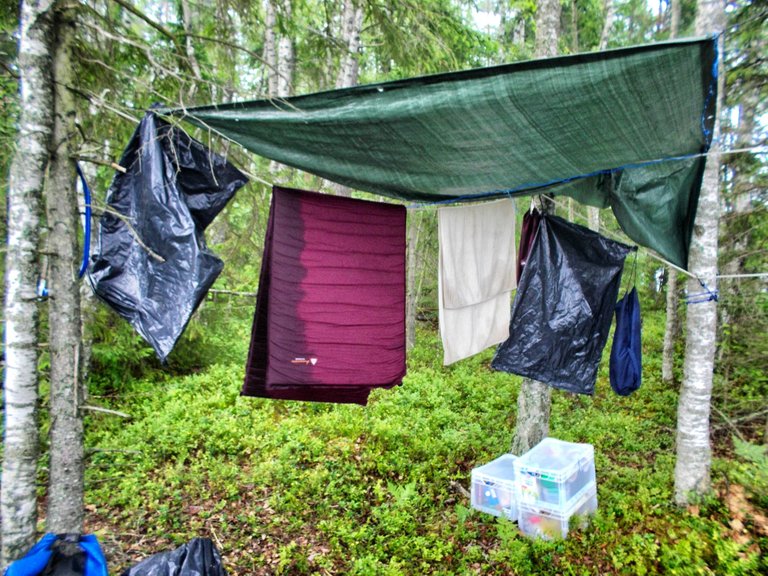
<point x="674" y="22"/>
<point x="534" y="398"/>
<point x="270" y="50"/>
<point x="610" y="16"/>
<point x="672" y="327"/>
<point x="18" y="501"/>
<point x="694" y="457"/>
<point x="352" y="25"/>
<point x="285" y="59"/>
<point x="65" y="488"/>
<point x="547" y="28"/>
<point x="413" y="287"/>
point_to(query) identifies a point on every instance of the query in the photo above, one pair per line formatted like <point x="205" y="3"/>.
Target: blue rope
<point x="87" y="239"/>
<point x="701" y="297"/>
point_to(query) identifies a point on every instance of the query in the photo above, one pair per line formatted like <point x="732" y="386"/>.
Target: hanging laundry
<point x="527" y="236"/>
<point x="152" y="265"/>
<point x="329" y="324"/>
<point x="625" y="368"/>
<point x="476" y="276"/>
<point x="564" y="305"/>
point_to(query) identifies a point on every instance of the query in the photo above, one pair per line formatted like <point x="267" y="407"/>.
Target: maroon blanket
<point x="330" y="314"/>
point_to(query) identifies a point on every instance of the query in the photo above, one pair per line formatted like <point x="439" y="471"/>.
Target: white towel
<point x="476" y="276"/>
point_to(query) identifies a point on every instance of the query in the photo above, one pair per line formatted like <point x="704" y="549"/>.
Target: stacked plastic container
<point x="493" y="487"/>
<point x="554" y="481"/>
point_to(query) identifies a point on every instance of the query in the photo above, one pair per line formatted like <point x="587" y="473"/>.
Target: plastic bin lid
<point x="553" y="455"/>
<point x="502" y="467"/>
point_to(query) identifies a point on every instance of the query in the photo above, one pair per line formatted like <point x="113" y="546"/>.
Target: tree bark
<point x="674" y="18"/>
<point x="18" y="501"/>
<point x="610" y="15"/>
<point x="270" y="47"/>
<point x="534" y="398"/>
<point x="65" y="489"/>
<point x="186" y="21"/>
<point x="413" y="291"/>
<point x="672" y="327"/>
<point x="694" y="457"/>
<point x="352" y="25"/>
<point x="285" y="58"/>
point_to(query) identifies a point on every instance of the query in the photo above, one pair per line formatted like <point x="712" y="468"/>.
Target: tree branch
<point x="139" y="14"/>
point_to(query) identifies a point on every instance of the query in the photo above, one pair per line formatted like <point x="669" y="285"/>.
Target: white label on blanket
<point x="304" y="360"/>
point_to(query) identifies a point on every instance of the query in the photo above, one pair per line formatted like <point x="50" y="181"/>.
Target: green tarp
<point x="602" y="127"/>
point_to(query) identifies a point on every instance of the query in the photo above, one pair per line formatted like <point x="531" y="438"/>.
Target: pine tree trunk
<point x="534" y="398"/>
<point x="65" y="489"/>
<point x="694" y="457"/>
<point x="18" y="502"/>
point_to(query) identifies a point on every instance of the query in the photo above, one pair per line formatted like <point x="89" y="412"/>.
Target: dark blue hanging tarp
<point x="152" y="264"/>
<point x="563" y="308"/>
<point x="625" y="368"/>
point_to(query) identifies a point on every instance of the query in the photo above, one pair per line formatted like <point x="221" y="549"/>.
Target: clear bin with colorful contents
<point x="553" y="474"/>
<point x="548" y="525"/>
<point x="493" y="487"/>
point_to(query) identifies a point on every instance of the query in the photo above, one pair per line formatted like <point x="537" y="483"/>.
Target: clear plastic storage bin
<point x="553" y="474"/>
<point x="493" y="487"/>
<point x="548" y="525"/>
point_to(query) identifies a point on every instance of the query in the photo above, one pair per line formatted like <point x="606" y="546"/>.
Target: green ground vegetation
<point x="301" y="488"/>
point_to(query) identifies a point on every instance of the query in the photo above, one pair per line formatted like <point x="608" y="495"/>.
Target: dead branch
<point x="100" y="162"/>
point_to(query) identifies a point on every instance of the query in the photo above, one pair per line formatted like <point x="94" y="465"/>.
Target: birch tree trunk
<point x="351" y="26"/>
<point x="18" y="501"/>
<point x="285" y="58"/>
<point x="65" y="489"/>
<point x="672" y="327"/>
<point x="674" y="18"/>
<point x="610" y="16"/>
<point x="534" y="398"/>
<point x="270" y="47"/>
<point x="694" y="457"/>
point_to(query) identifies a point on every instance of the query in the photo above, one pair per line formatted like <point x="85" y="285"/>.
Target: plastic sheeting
<point x="199" y="557"/>
<point x="621" y="128"/>
<point x="563" y="309"/>
<point x="47" y="558"/>
<point x="152" y="265"/>
<point x="625" y="368"/>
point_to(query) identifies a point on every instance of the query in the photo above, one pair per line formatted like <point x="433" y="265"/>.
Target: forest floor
<point x="300" y="488"/>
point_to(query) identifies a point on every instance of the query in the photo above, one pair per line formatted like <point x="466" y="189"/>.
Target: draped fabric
<point x="329" y="324"/>
<point x="621" y="128"/>
<point x="563" y="308"/>
<point x="528" y="231"/>
<point x="476" y="276"/>
<point x="626" y="367"/>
